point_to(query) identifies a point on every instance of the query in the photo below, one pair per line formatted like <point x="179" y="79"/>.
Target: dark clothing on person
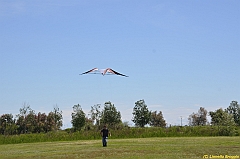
<point x="104" y="133"/>
<point x="104" y="141"/>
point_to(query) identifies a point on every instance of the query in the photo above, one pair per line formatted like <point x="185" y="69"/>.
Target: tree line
<point x="27" y="121"/>
<point x="112" y="117"/>
<point x="221" y="117"/>
<point x="225" y="119"/>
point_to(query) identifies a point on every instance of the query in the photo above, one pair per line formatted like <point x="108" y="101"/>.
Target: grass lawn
<point x="164" y="147"/>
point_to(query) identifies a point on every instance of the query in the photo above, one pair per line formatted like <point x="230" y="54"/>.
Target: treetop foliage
<point x="110" y="115"/>
<point x="197" y="119"/>
<point x="141" y="114"/>
<point x="27" y="121"/>
<point x="157" y="119"/>
<point x="78" y="117"/>
<point x="234" y="109"/>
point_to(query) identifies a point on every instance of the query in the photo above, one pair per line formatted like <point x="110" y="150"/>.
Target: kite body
<point x="103" y="72"/>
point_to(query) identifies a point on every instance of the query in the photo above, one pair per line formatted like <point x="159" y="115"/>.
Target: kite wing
<point x="103" y="72"/>
<point x="113" y="72"/>
<point x="92" y="70"/>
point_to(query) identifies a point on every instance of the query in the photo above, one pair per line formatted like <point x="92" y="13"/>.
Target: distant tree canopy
<point x="224" y="121"/>
<point x="56" y="117"/>
<point x="234" y="109"/>
<point x="27" y="121"/>
<point x="200" y="118"/>
<point x="110" y="115"/>
<point x="222" y="118"/>
<point x="78" y="117"/>
<point x="24" y="117"/>
<point x="157" y="120"/>
<point x="96" y="114"/>
<point x="7" y="124"/>
<point x="141" y="114"/>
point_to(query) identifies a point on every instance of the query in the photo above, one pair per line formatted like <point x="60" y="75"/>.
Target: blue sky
<point x="179" y="55"/>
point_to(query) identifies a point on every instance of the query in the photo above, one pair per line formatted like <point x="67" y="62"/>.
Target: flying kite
<point x="103" y="72"/>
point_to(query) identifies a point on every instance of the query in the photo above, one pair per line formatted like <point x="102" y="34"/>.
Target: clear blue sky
<point x="179" y="55"/>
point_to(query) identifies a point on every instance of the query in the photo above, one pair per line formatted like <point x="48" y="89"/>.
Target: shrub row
<point x="132" y="132"/>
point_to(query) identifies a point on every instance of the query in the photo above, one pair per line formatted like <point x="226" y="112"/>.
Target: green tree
<point x="157" y="119"/>
<point x="57" y="118"/>
<point x="31" y="122"/>
<point x="197" y="119"/>
<point x="50" y="123"/>
<point x="21" y="118"/>
<point x="41" y="120"/>
<point x="141" y="114"/>
<point x="224" y="121"/>
<point x="96" y="114"/>
<point x="234" y="109"/>
<point x="7" y="125"/>
<point x="110" y="115"/>
<point x="78" y="117"/>
<point x="54" y="119"/>
<point x="89" y="124"/>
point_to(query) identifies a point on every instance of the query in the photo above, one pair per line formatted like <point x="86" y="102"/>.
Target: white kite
<point x="103" y="72"/>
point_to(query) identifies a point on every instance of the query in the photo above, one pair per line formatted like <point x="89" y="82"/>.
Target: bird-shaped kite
<point x="103" y="72"/>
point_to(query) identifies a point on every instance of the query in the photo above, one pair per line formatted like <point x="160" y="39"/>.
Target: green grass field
<point x="164" y="147"/>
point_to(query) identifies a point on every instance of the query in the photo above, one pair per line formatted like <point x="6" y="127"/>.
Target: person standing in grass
<point x="104" y="133"/>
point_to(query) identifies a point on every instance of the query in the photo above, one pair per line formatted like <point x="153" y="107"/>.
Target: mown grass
<point x="156" y="147"/>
